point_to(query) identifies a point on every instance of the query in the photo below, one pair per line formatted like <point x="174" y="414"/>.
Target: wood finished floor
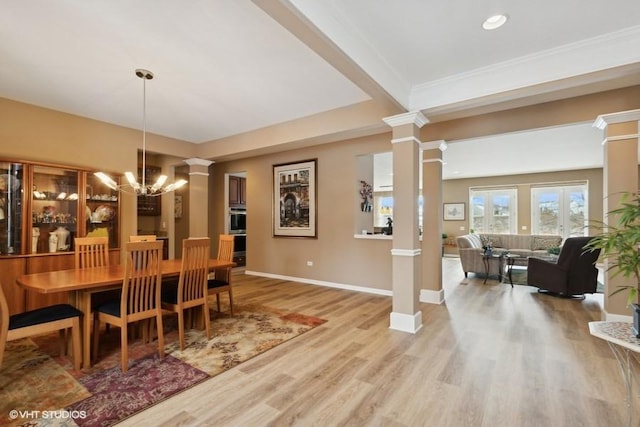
<point x="489" y="356"/>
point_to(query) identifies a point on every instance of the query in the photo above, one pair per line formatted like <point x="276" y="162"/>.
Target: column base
<point x="406" y="322"/>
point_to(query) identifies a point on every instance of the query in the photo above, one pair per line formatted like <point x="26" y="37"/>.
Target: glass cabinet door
<point x="54" y="209"/>
<point x="102" y="210"/>
<point x="11" y="181"/>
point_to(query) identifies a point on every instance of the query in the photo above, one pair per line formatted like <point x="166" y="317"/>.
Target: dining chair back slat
<point x="143" y="238"/>
<point x="191" y="291"/>
<point x="221" y="280"/>
<point x="91" y="252"/>
<point x="140" y="296"/>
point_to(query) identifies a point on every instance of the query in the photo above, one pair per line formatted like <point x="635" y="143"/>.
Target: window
<point x="561" y="209"/>
<point x="493" y="210"/>
<point x="380" y="167"/>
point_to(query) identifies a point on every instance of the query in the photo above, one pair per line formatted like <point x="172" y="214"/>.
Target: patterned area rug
<point x="39" y="388"/>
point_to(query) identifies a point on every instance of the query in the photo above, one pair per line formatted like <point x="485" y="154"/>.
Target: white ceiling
<point x="224" y="67"/>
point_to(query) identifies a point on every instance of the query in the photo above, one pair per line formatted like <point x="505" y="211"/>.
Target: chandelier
<point x="142" y="188"/>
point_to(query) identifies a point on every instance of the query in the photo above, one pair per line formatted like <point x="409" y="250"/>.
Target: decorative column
<point x="619" y="175"/>
<point x="198" y="197"/>
<point x="432" y="291"/>
<point x="406" y="253"/>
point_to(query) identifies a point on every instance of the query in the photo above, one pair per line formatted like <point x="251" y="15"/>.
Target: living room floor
<point x="489" y="356"/>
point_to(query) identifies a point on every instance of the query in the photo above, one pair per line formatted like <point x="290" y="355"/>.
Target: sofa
<point x="470" y="248"/>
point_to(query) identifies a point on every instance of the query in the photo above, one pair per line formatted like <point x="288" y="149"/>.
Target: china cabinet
<point x="54" y="209"/>
<point x="43" y="208"/>
<point x="102" y="211"/>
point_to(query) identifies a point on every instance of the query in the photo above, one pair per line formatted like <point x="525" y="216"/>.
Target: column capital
<point x="196" y="161"/>
<point x="603" y="120"/>
<point x="414" y="117"/>
<point x="432" y="145"/>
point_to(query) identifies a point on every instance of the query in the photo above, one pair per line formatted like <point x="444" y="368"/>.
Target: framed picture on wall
<point x="178" y="206"/>
<point x="295" y="199"/>
<point x="454" y="212"/>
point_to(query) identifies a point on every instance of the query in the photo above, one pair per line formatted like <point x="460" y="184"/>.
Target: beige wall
<point x="337" y="256"/>
<point x="457" y="190"/>
<point x="38" y="134"/>
<point x="28" y="132"/>
<point x="340" y="258"/>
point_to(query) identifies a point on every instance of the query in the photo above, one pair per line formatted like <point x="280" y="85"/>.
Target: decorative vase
<point x="35" y="235"/>
<point x="63" y="237"/>
<point x="53" y="241"/>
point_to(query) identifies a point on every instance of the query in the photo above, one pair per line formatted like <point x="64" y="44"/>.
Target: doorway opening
<point x="236" y="214"/>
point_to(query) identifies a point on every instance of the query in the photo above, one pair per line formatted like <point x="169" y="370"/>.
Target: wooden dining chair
<point x="59" y="317"/>
<point x="94" y="252"/>
<point x="91" y="252"/>
<point x="140" y="296"/>
<point x="143" y="238"/>
<point x="221" y="277"/>
<point x="191" y="291"/>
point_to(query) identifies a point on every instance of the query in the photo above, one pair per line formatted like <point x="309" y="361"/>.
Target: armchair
<point x="573" y="275"/>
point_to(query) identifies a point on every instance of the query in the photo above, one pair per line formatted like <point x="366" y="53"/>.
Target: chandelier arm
<point x="133" y="187"/>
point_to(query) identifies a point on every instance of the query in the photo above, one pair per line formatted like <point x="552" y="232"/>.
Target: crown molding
<point x="563" y="67"/>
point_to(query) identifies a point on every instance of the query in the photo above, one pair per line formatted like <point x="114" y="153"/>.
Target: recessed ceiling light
<point x="494" y="22"/>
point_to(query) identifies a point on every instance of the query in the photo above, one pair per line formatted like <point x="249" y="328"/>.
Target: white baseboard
<point x="432" y="297"/>
<point x="611" y="317"/>
<point x="321" y="283"/>
<point x="405" y="322"/>
<point x="426" y="295"/>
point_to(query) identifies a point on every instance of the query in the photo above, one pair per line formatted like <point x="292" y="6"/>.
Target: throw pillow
<point x="490" y="240"/>
<point x="545" y="242"/>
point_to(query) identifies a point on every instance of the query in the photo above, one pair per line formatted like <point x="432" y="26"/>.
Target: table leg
<point x="84" y="305"/>
<point x="485" y="260"/>
<point x="510" y="262"/>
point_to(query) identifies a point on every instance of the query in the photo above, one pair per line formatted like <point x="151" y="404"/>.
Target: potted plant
<point x="619" y="243"/>
<point x="554" y="250"/>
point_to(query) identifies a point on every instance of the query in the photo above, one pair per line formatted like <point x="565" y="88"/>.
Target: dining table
<point x="82" y="283"/>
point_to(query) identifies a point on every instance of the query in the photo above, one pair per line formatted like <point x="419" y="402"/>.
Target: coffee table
<point x="487" y="259"/>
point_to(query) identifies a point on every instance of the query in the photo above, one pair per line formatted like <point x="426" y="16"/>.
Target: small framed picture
<point x="454" y="212"/>
<point x="178" y="206"/>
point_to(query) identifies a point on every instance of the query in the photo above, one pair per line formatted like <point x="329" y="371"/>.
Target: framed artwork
<point x="178" y="206"/>
<point x="294" y="199"/>
<point x="454" y="212"/>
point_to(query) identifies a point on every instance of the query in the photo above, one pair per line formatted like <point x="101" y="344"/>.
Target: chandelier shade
<point x="132" y="185"/>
